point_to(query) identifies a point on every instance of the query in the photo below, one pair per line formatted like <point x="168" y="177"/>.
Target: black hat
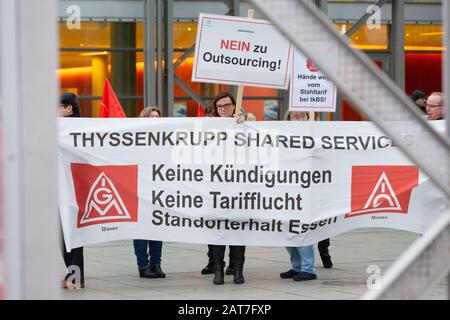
<point x="417" y="94"/>
<point x="69" y="98"/>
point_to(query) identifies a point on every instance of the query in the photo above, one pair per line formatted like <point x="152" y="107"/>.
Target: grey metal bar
<point x="446" y="73"/>
<point x="367" y="88"/>
<point x="149" y="53"/>
<point x="378" y="98"/>
<point x="184" y="56"/>
<point x="189" y="91"/>
<point x="159" y="48"/>
<point x="446" y="65"/>
<point x="236" y="8"/>
<point x="30" y="93"/>
<point x="323" y="5"/>
<point x="233" y="6"/>
<point x="168" y="57"/>
<point x="398" y="42"/>
<point x="361" y="21"/>
<point x="12" y="153"/>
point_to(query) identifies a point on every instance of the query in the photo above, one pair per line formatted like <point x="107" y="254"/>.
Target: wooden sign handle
<point x="240" y="91"/>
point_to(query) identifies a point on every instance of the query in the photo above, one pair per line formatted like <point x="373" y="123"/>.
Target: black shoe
<point x="218" y="274"/>
<point x="238" y="276"/>
<point x="304" y="276"/>
<point x="147" y="273"/>
<point x="157" y="270"/>
<point x="288" y="274"/>
<point x="209" y="269"/>
<point x="326" y="260"/>
<point x="230" y="270"/>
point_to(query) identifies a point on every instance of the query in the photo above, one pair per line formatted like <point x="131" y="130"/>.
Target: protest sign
<point x="310" y="89"/>
<point x="240" y="51"/>
<point x="214" y="181"/>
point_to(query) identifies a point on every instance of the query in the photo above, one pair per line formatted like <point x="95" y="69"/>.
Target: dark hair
<point x="221" y="95"/>
<point x="417" y="94"/>
<point x="211" y="111"/>
<point x="70" y="99"/>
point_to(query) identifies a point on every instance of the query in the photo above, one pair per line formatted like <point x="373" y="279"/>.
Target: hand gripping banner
<point x="213" y="181"/>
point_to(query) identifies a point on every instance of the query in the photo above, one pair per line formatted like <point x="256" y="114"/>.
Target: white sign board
<point x="240" y="51"/>
<point x="212" y="181"/>
<point x="310" y="89"/>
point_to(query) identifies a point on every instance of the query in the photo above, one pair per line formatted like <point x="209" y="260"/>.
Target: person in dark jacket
<point x="420" y="99"/>
<point x="224" y="105"/>
<point x="69" y="107"/>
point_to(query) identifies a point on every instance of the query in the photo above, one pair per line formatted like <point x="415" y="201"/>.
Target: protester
<point x="435" y="106"/>
<point x="224" y="105"/>
<point x="420" y="99"/>
<point x="209" y="268"/>
<point x="70" y="108"/>
<point x="302" y="258"/>
<point x="324" y="244"/>
<point x="145" y="249"/>
<point x="211" y="111"/>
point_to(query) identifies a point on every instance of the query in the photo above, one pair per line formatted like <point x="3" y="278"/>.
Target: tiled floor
<point x="111" y="271"/>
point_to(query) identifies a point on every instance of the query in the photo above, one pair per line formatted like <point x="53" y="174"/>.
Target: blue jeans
<point x="154" y="251"/>
<point x="302" y="259"/>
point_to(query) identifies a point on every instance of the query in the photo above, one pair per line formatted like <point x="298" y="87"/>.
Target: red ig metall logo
<point x="105" y="194"/>
<point x="382" y="189"/>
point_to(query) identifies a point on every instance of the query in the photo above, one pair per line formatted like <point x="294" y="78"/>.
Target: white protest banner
<point x="310" y="89"/>
<point x="213" y="181"/>
<point x="240" y="51"/>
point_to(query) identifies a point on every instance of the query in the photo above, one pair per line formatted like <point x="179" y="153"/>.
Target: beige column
<point x="99" y="73"/>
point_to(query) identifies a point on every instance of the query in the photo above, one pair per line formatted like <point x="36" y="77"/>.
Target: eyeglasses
<point x="224" y="106"/>
<point x="434" y="105"/>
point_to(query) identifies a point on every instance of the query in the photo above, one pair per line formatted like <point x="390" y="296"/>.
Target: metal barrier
<point x="378" y="98"/>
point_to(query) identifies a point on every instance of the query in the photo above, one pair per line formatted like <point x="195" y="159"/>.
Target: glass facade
<point x="99" y="50"/>
<point x="114" y="48"/>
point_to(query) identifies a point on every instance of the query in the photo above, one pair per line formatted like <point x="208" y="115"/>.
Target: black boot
<point x="326" y="261"/>
<point x="230" y="270"/>
<point x="158" y="271"/>
<point x="324" y="254"/>
<point x="218" y="273"/>
<point x="238" y="276"/>
<point x="209" y="269"/>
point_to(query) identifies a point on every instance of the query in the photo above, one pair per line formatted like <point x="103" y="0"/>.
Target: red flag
<point x="110" y="106"/>
<point x="200" y="112"/>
